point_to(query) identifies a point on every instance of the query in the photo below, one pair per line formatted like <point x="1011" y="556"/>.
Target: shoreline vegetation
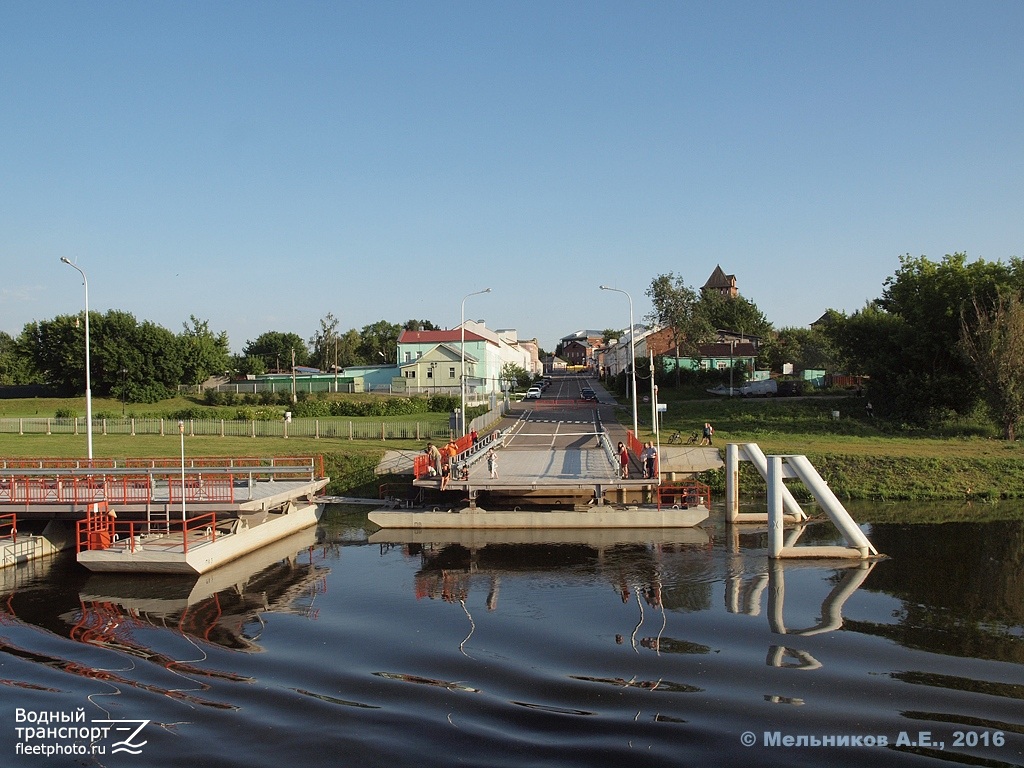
<point x="861" y="457"/>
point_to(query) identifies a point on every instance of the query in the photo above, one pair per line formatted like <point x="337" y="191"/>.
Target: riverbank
<point x="860" y="457"/>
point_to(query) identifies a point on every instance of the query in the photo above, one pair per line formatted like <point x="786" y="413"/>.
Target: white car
<point x="532" y="393"/>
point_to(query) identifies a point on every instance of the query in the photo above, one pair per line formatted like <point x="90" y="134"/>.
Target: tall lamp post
<point x="462" y="347"/>
<point x="88" y="378"/>
<point x="632" y="350"/>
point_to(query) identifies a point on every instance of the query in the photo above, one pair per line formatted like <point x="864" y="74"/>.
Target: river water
<point x="341" y="648"/>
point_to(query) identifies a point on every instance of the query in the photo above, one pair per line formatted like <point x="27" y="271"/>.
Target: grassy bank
<point x="860" y="457"/>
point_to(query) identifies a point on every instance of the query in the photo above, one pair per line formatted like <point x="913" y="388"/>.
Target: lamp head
<point x="65" y="259"/>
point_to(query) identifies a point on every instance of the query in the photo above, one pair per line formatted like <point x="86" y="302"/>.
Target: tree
<point x="275" y="347"/>
<point x="993" y="341"/>
<point x="325" y="343"/>
<point x="676" y="308"/>
<point x="15" y="367"/>
<point x="419" y="325"/>
<point x="348" y="348"/>
<point x="805" y="348"/>
<point x="379" y="342"/>
<point x="924" y="373"/>
<point x="516" y="375"/>
<point x="733" y="313"/>
<point x="204" y="353"/>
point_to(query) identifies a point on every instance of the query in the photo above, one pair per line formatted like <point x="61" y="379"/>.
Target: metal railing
<point x="140" y="481"/>
<point x="99" y="531"/>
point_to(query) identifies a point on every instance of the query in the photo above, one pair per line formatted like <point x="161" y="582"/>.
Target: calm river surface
<point x="645" y="649"/>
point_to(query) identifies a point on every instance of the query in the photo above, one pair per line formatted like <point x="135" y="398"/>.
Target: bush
<point x="66" y="413"/>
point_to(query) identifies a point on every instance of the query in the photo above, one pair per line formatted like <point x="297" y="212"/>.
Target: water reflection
<point x="508" y="648"/>
<point x="118" y="613"/>
<point x="222" y="606"/>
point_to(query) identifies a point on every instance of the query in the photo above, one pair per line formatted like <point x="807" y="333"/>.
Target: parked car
<point x="765" y="388"/>
<point x="533" y="393"/>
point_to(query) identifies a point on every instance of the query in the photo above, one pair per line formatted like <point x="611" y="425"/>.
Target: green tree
<point x="379" y="342"/>
<point x="348" y="348"/>
<point x="733" y="313"/>
<point x="204" y="353"/>
<point x="676" y="307"/>
<point x="804" y="348"/>
<point x="15" y="366"/>
<point x="993" y="341"/>
<point x="925" y="374"/>
<point x="419" y="325"/>
<point x="275" y="348"/>
<point x="325" y="343"/>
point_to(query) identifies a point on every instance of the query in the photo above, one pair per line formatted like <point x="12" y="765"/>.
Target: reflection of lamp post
<point x="181" y="431"/>
<point x="88" y="379"/>
<point x="462" y="346"/>
<point x="632" y="350"/>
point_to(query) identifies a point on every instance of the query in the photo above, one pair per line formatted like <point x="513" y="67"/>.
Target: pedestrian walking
<point x="707" y="434"/>
<point x="492" y="464"/>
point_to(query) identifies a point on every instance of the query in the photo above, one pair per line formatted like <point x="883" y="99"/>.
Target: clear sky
<point x="261" y="164"/>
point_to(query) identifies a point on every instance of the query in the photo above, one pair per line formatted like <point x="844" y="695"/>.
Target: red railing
<point x="99" y="530"/>
<point x="9" y="527"/>
<point x="684" y="495"/>
<point x="70" y="481"/>
<point x="421" y="462"/>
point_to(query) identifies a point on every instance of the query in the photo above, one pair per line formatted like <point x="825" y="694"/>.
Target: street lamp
<point x="632" y="350"/>
<point x="462" y="347"/>
<point x="88" y="379"/>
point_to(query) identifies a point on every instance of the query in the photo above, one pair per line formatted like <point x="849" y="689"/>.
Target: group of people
<point x="443" y="460"/>
<point x="648" y="460"/>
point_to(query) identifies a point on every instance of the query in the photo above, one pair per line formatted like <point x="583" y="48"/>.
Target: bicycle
<point x="692" y="439"/>
<point x="675" y="438"/>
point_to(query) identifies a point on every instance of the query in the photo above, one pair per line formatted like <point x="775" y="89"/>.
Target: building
<point x="431" y="362"/>
<point x="722" y="283"/>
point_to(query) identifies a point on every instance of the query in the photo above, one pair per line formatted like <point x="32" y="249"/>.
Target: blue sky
<point x="261" y="164"/>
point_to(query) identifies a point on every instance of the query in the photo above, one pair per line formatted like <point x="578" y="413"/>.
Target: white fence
<point x="315" y="428"/>
<point x="339" y="427"/>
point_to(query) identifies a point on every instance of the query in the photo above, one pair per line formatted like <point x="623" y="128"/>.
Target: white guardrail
<point x="337" y="428"/>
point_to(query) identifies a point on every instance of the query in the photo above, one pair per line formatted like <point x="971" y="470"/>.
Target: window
<point x="410" y="373"/>
<point x="722" y="365"/>
<point x="451" y="372"/>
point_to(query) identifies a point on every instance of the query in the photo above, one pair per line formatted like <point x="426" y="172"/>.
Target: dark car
<point x="588" y="394"/>
<point x="790" y="388"/>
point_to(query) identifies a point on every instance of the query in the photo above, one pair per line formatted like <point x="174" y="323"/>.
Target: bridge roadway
<point x="559" y="442"/>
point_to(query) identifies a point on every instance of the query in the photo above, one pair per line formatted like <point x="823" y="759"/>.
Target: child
<point x="492" y="464"/>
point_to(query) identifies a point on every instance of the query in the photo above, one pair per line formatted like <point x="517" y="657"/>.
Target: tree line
<point x="944" y="340"/>
<point x="142" y="362"/>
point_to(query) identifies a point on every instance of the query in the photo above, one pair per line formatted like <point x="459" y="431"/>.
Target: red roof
<point x="437" y="337"/>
